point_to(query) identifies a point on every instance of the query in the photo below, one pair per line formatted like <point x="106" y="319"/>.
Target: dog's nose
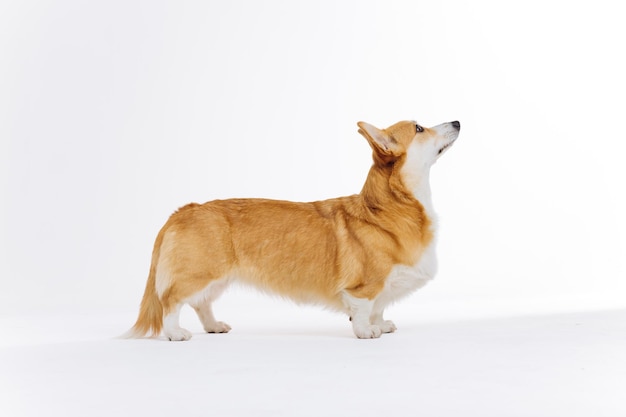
<point x="456" y="125"/>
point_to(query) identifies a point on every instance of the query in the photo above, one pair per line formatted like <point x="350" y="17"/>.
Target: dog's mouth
<point x="444" y="148"/>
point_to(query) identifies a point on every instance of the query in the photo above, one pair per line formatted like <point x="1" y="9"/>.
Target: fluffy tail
<point x="150" y="318"/>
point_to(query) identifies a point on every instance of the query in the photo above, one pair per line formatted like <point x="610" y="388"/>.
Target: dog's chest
<point x="405" y="279"/>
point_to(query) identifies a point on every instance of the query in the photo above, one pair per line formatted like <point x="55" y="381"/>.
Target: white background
<point x="115" y="113"/>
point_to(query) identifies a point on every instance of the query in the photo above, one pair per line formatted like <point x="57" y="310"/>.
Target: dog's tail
<point x="150" y="318"/>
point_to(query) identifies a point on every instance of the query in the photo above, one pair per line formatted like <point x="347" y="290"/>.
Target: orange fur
<point x="309" y="252"/>
<point x="151" y="311"/>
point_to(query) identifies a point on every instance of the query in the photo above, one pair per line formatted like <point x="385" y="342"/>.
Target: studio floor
<point x="310" y="364"/>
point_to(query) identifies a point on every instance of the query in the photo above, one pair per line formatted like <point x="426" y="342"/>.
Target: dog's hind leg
<point x="172" y="304"/>
<point x="203" y="304"/>
<point x="171" y="328"/>
<point x="205" y="313"/>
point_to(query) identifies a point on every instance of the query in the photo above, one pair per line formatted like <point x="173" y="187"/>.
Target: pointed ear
<point x="379" y="140"/>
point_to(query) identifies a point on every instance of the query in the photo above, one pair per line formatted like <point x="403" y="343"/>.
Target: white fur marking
<point x="405" y="279"/>
<point x="360" y="311"/>
<point x="171" y="328"/>
<point x="416" y="175"/>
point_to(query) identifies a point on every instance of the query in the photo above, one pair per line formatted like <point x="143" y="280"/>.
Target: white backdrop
<point x="114" y="113"/>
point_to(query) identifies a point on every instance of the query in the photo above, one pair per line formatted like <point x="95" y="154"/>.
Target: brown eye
<point x="418" y="128"/>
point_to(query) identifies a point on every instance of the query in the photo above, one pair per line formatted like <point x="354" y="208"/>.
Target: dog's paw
<point x="371" y="331"/>
<point x="218" y="327"/>
<point x="387" y="326"/>
<point x="178" y="334"/>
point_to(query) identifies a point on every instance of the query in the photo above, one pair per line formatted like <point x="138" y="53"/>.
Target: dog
<point x="354" y="254"/>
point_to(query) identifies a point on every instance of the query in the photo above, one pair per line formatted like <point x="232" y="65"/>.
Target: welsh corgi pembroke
<point x="354" y="254"/>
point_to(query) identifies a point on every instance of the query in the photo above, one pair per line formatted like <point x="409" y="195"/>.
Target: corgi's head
<point x="420" y="144"/>
<point x="414" y="147"/>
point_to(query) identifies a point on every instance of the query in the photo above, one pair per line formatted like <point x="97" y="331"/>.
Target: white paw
<point x="218" y="327"/>
<point x="371" y="331"/>
<point x="177" y="334"/>
<point x="387" y="326"/>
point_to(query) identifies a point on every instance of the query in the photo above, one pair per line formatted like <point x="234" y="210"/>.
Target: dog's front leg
<point x="360" y="310"/>
<point x="387" y="326"/>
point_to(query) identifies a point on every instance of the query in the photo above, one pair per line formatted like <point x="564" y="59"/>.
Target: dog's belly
<point x="404" y="279"/>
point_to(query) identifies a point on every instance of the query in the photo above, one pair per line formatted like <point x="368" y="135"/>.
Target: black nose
<point x="456" y="125"/>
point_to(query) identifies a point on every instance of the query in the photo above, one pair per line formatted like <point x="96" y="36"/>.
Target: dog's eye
<point x="418" y="128"/>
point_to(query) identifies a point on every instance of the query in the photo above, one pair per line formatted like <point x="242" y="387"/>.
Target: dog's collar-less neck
<point x="422" y="193"/>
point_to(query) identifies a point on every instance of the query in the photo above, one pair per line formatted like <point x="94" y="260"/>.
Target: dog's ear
<point x="379" y="140"/>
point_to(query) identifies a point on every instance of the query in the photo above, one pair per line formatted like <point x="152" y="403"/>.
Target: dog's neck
<point x="418" y="182"/>
<point x="381" y="186"/>
<point x="421" y="192"/>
